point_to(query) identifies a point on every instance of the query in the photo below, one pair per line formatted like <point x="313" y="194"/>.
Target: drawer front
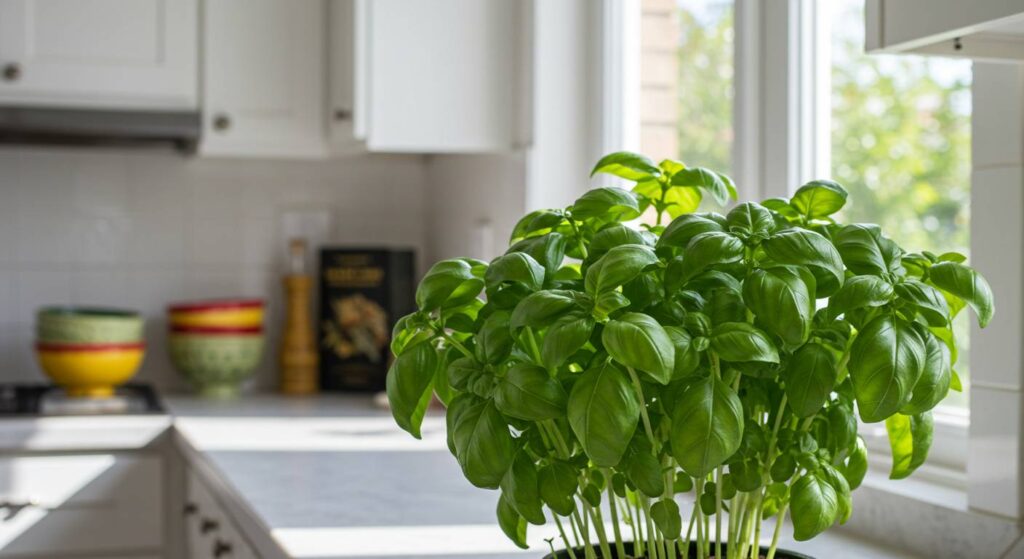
<point x="211" y="533"/>
<point x="93" y="503"/>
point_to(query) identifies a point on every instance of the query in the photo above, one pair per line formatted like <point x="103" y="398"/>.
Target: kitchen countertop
<point x="332" y="477"/>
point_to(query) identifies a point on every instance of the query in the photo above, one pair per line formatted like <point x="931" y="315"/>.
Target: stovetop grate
<point x="50" y="400"/>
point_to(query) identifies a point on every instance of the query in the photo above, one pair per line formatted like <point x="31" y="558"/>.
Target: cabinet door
<point x="440" y="76"/>
<point x="95" y="504"/>
<point x="99" y="53"/>
<point x="263" y="84"/>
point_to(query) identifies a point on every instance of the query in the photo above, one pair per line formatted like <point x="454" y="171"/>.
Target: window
<point x="686" y="75"/>
<point x="901" y="145"/>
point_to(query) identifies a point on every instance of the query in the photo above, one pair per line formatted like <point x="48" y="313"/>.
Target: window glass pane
<point x="687" y="81"/>
<point x="901" y="145"/>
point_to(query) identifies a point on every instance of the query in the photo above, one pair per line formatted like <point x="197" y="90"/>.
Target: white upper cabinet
<point x="978" y="29"/>
<point x="426" y="77"/>
<point x="263" y="78"/>
<point x="123" y="54"/>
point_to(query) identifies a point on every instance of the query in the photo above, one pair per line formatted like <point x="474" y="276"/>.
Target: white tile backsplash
<point x="141" y="229"/>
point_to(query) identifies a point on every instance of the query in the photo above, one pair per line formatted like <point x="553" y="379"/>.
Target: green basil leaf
<point x="783" y="303"/>
<point x="511" y="523"/>
<point x="641" y="468"/>
<point x="866" y="251"/>
<point x="407" y="333"/>
<point x="665" y="514"/>
<point x="682" y="229"/>
<point x="682" y="200"/>
<point x="746" y="475"/>
<point x="449" y="283"/>
<point x="564" y="338"/>
<point x="528" y="392"/>
<point x="541" y="309"/>
<point x="802" y="247"/>
<point x="558" y="483"/>
<point x="603" y="413"/>
<point x="442" y="389"/>
<point x="910" y="437"/>
<point x="936" y="377"/>
<point x="707" y="426"/>
<point x="856" y="464"/>
<point x="956" y="384"/>
<point x="842" y="488"/>
<point x="409" y="386"/>
<point x="494" y="340"/>
<point x="618" y="266"/>
<point x="752" y="218"/>
<point x="782" y="207"/>
<point x="606" y="204"/>
<point x="966" y="284"/>
<point x="628" y="165"/>
<point x="859" y="292"/>
<point x="709" y="249"/>
<point x="952" y="257"/>
<point x="592" y="495"/>
<point x="463" y="371"/>
<point x="886" y="361"/>
<point x="725" y="306"/>
<point x="640" y="342"/>
<point x="483" y="444"/>
<point x="810" y="376"/>
<point x="548" y="250"/>
<point x="515" y="267"/>
<point x="814" y="507"/>
<point x="536" y="222"/>
<point x="927" y="300"/>
<point x="520" y="488"/>
<point x="819" y="198"/>
<point x="706" y="179"/>
<point x="687" y="358"/>
<point x="608" y="302"/>
<point x="739" y="341"/>
<point x="842" y="426"/>
<point x="616" y="235"/>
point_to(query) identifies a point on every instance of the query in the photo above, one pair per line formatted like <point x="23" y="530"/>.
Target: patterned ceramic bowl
<point x="216" y="361"/>
<point x="88" y="325"/>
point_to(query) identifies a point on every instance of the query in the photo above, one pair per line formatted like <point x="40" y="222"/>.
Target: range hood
<point x="89" y="127"/>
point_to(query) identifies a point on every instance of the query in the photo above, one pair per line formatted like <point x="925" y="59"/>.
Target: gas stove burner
<point x="49" y="400"/>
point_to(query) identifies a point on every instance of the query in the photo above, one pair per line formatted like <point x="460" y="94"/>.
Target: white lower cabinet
<point x="210" y="531"/>
<point x="103" y="504"/>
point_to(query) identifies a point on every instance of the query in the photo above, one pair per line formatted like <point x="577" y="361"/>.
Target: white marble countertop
<point x="333" y="477"/>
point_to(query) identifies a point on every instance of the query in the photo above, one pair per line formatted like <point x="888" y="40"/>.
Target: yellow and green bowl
<point x="90" y="370"/>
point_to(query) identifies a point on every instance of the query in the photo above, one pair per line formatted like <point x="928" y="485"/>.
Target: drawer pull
<point x="189" y="509"/>
<point x="14" y="508"/>
<point x="12" y="72"/>
<point x="209" y="525"/>
<point x="221" y="548"/>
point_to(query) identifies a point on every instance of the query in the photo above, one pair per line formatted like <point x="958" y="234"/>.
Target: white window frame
<point x="782" y="130"/>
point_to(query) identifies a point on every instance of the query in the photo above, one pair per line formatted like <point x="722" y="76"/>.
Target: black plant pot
<point x="779" y="553"/>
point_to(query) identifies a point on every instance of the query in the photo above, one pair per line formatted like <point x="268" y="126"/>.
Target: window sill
<point x="927" y="514"/>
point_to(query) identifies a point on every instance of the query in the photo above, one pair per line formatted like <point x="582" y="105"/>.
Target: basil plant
<point x="598" y="370"/>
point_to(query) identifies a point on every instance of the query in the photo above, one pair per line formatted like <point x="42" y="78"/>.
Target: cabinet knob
<point x="221" y="548"/>
<point x="189" y="509"/>
<point x="342" y="114"/>
<point x="221" y="122"/>
<point x="12" y="72"/>
<point x="208" y="525"/>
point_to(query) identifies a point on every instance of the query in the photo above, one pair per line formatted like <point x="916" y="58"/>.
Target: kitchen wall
<point x="140" y="229"/>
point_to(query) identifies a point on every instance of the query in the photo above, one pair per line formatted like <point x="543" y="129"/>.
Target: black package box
<point x="362" y="293"/>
